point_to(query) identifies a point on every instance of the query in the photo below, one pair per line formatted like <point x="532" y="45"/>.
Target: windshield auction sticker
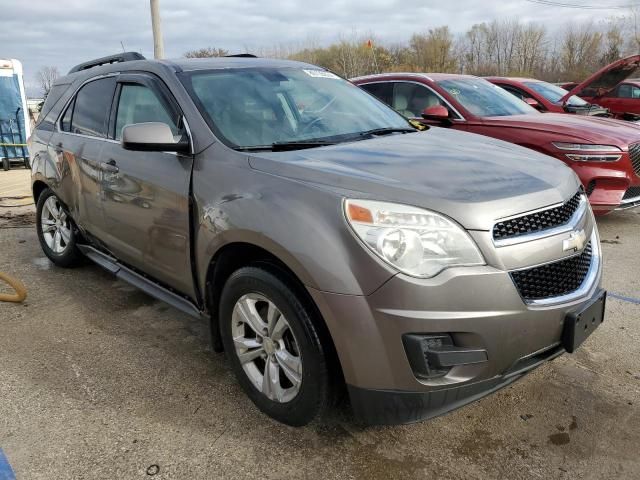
<point x="321" y="74"/>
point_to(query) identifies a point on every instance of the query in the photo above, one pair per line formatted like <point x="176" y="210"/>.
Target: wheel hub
<point x="269" y="346"/>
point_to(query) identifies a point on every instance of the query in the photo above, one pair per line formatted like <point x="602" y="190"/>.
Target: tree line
<point x="507" y="47"/>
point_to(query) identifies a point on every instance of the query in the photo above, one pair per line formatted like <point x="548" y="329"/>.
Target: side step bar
<point x="149" y="287"/>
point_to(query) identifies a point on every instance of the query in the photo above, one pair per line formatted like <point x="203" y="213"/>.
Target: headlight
<point x="592" y="153"/>
<point x="417" y="242"/>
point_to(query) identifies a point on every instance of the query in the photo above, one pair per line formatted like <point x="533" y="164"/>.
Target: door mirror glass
<point x="436" y="112"/>
<point x="152" y="137"/>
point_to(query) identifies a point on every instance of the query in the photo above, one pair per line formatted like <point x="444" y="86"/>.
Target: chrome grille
<point x="634" y="155"/>
<point x="553" y="279"/>
<point x="538" y="221"/>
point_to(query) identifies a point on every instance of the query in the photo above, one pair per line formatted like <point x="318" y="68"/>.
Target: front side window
<point x="484" y="99"/>
<point x="260" y="107"/>
<point x="626" y="90"/>
<point x="92" y="106"/>
<point x="383" y="91"/>
<point x="410" y="99"/>
<point x="554" y="93"/>
<point x="140" y="104"/>
<point x="514" y="91"/>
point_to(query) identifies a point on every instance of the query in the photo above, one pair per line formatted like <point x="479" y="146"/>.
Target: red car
<point x="612" y="89"/>
<point x="605" y="153"/>
<point x="547" y="97"/>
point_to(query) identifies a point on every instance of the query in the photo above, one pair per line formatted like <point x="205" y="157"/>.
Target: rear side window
<point x="90" y="109"/>
<point x="383" y="91"/>
<point x="140" y="104"/>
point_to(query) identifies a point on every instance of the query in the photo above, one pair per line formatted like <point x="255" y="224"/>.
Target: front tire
<point x="274" y="347"/>
<point x="56" y="231"/>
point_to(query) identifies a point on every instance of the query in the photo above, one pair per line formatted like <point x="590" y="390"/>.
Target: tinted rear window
<point x="54" y="95"/>
<point x="92" y="107"/>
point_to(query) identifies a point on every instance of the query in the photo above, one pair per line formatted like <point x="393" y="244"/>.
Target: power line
<point x="552" y="3"/>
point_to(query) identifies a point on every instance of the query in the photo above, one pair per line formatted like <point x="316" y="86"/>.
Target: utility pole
<point x="158" y="42"/>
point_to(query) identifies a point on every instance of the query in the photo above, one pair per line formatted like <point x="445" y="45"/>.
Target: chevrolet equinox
<point x="326" y="240"/>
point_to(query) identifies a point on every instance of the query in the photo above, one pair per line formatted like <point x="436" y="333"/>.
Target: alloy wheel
<point x="266" y="347"/>
<point x="55" y="225"/>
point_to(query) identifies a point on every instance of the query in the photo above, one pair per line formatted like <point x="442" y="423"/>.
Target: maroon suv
<point x="605" y="153"/>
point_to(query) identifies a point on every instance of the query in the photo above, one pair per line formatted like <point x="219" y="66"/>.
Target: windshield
<point x="265" y="106"/>
<point x="484" y="99"/>
<point x="554" y="94"/>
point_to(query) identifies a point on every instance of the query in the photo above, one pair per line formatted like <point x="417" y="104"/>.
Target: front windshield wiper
<point x="387" y="131"/>
<point x="284" y="146"/>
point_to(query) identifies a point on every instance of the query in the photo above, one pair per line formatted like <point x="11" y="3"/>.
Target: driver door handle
<point x="109" y="166"/>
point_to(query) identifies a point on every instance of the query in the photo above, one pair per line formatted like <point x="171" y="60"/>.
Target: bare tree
<point x="207" y="52"/>
<point x="47" y="76"/>
<point x="434" y="51"/>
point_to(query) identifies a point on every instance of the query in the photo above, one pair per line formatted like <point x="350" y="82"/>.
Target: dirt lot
<point x="98" y="380"/>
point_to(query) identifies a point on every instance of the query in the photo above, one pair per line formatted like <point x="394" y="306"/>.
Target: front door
<point x="146" y="194"/>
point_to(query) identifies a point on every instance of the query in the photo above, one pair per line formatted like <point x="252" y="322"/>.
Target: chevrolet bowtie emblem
<point x="576" y="241"/>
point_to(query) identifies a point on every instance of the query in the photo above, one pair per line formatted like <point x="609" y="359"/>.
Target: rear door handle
<point x="109" y="167"/>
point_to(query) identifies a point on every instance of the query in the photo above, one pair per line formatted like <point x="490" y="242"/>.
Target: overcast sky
<point x="62" y="33"/>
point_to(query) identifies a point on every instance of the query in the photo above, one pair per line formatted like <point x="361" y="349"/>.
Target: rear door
<point x="78" y="141"/>
<point x="146" y="194"/>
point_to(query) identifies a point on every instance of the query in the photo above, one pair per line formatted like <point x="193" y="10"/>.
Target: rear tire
<point x="57" y="232"/>
<point x="284" y="368"/>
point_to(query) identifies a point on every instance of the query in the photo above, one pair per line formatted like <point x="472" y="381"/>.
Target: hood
<point x="590" y="129"/>
<point x="471" y="178"/>
<point x="605" y="79"/>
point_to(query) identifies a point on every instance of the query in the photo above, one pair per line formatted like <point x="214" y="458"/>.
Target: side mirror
<point x="152" y="137"/>
<point x="532" y="102"/>
<point x="438" y="113"/>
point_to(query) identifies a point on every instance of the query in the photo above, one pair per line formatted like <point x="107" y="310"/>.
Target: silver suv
<point x="326" y="240"/>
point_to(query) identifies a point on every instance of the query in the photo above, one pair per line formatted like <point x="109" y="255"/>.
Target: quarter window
<point x="91" y="108"/>
<point x="140" y="104"/>
<point x="66" y="119"/>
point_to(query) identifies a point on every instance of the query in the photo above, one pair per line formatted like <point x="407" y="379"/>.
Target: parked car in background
<point x="323" y="238"/>
<point x="547" y="97"/>
<point x="605" y="153"/>
<point x="611" y="88"/>
<point x="15" y="127"/>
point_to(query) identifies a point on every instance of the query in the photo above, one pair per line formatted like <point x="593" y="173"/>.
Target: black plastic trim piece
<point x="117" y="58"/>
<point x="146" y="285"/>
<point x="393" y="407"/>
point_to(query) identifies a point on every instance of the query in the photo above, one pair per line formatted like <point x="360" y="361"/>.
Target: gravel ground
<point x="98" y="380"/>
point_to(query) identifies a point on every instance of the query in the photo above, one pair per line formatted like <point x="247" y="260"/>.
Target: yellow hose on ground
<point x="17" y="285"/>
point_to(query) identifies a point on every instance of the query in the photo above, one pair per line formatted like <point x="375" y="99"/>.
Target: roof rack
<point x="242" y="55"/>
<point x="117" y="58"/>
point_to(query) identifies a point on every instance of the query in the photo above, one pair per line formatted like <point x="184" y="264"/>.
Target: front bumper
<point x="392" y="407"/>
<point x="479" y="307"/>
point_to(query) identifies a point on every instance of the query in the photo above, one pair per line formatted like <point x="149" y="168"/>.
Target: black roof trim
<point x="241" y="55"/>
<point x="117" y="58"/>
